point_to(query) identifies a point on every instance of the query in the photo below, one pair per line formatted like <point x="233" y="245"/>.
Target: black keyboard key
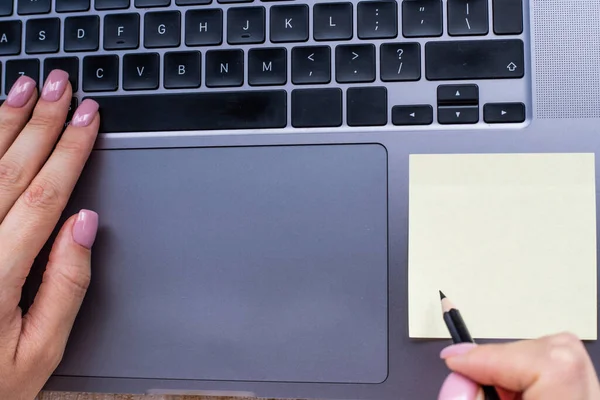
<point x="458" y="94"/>
<point x="503" y="113"/>
<point x="111" y="4"/>
<point x="26" y="7"/>
<point x="478" y="59"/>
<point x="289" y="23"/>
<point x="183" y="70"/>
<point x="400" y="62"/>
<point x="82" y="33"/>
<point x="422" y="18"/>
<point x="204" y="27"/>
<point x="468" y="17"/>
<point x="316" y="108"/>
<point x="192" y="2"/>
<point x="246" y="25"/>
<point x="224" y="68"/>
<point x="100" y="73"/>
<point x="412" y="115"/>
<point x="121" y="31"/>
<point x="267" y="67"/>
<point x="332" y="21"/>
<point x="355" y="63"/>
<point x="17" y="68"/>
<point x="152" y="3"/>
<point x="6" y="8"/>
<point x="162" y="29"/>
<point x="367" y="106"/>
<point x="194" y="111"/>
<point x="141" y="71"/>
<point x="451" y="115"/>
<point x="72" y="5"/>
<point x="311" y="65"/>
<point x="10" y="37"/>
<point x="377" y="19"/>
<point x="235" y="1"/>
<point x="42" y="36"/>
<point x="67" y="64"/>
<point x="508" y="17"/>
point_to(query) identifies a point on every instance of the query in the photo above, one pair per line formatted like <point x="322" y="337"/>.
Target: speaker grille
<point x="567" y="58"/>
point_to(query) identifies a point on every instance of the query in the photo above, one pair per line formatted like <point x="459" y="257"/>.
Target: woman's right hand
<point x="553" y="367"/>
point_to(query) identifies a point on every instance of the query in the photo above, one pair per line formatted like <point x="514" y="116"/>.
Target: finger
<point x="47" y="324"/>
<point x="553" y="367"/>
<point x="463" y="348"/>
<point x="24" y="158"/>
<point x="15" y="111"/>
<point x="32" y="219"/>
<point x="457" y="387"/>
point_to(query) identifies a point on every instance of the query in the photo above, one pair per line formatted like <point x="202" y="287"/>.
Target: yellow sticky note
<point x="509" y="238"/>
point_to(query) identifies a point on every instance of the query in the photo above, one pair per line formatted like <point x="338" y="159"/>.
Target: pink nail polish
<point x="457" y="387"/>
<point x="55" y="85"/>
<point x="85" y="228"/>
<point x="456" y="350"/>
<point x="85" y="113"/>
<point x="21" y="92"/>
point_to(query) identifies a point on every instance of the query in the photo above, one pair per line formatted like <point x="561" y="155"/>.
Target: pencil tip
<point x="442" y="295"/>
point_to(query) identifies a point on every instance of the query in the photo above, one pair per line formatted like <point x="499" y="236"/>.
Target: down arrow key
<point x="458" y="115"/>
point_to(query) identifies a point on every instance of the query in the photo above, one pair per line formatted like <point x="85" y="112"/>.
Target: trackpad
<point x="254" y="264"/>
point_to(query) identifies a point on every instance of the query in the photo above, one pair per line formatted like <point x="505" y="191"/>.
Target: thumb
<point x="458" y="387"/>
<point x="49" y="321"/>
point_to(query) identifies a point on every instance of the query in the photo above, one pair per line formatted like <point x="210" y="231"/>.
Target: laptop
<point x="251" y="174"/>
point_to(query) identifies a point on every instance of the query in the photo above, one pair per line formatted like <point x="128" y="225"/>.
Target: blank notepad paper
<point x="509" y="238"/>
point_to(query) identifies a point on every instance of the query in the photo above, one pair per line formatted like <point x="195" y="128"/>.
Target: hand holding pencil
<point x="552" y="367"/>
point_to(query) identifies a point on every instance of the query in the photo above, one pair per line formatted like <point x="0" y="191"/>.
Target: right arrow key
<point x="504" y="113"/>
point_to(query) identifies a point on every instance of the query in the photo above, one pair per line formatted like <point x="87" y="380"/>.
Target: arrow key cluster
<point x="458" y="104"/>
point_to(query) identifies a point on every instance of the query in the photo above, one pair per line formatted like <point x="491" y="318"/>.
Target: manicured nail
<point x="85" y="228"/>
<point x="55" y="85"/>
<point x="85" y="113"/>
<point x="21" y="92"/>
<point x="456" y="350"/>
<point x="457" y="387"/>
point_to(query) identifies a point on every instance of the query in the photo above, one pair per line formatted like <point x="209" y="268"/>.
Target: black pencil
<point x="460" y="334"/>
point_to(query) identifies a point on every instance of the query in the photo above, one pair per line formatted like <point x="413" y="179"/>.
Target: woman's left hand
<point x="38" y="172"/>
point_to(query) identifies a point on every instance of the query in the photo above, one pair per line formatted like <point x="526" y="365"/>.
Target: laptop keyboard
<point x="177" y="65"/>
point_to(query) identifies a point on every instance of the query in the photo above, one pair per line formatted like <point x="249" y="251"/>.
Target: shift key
<point x="474" y="59"/>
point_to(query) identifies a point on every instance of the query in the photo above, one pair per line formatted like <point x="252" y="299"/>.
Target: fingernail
<point x="85" y="228"/>
<point x="85" y="113"/>
<point x="21" y="92"/>
<point x="456" y="350"/>
<point x="55" y="85"/>
<point x="457" y="387"/>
